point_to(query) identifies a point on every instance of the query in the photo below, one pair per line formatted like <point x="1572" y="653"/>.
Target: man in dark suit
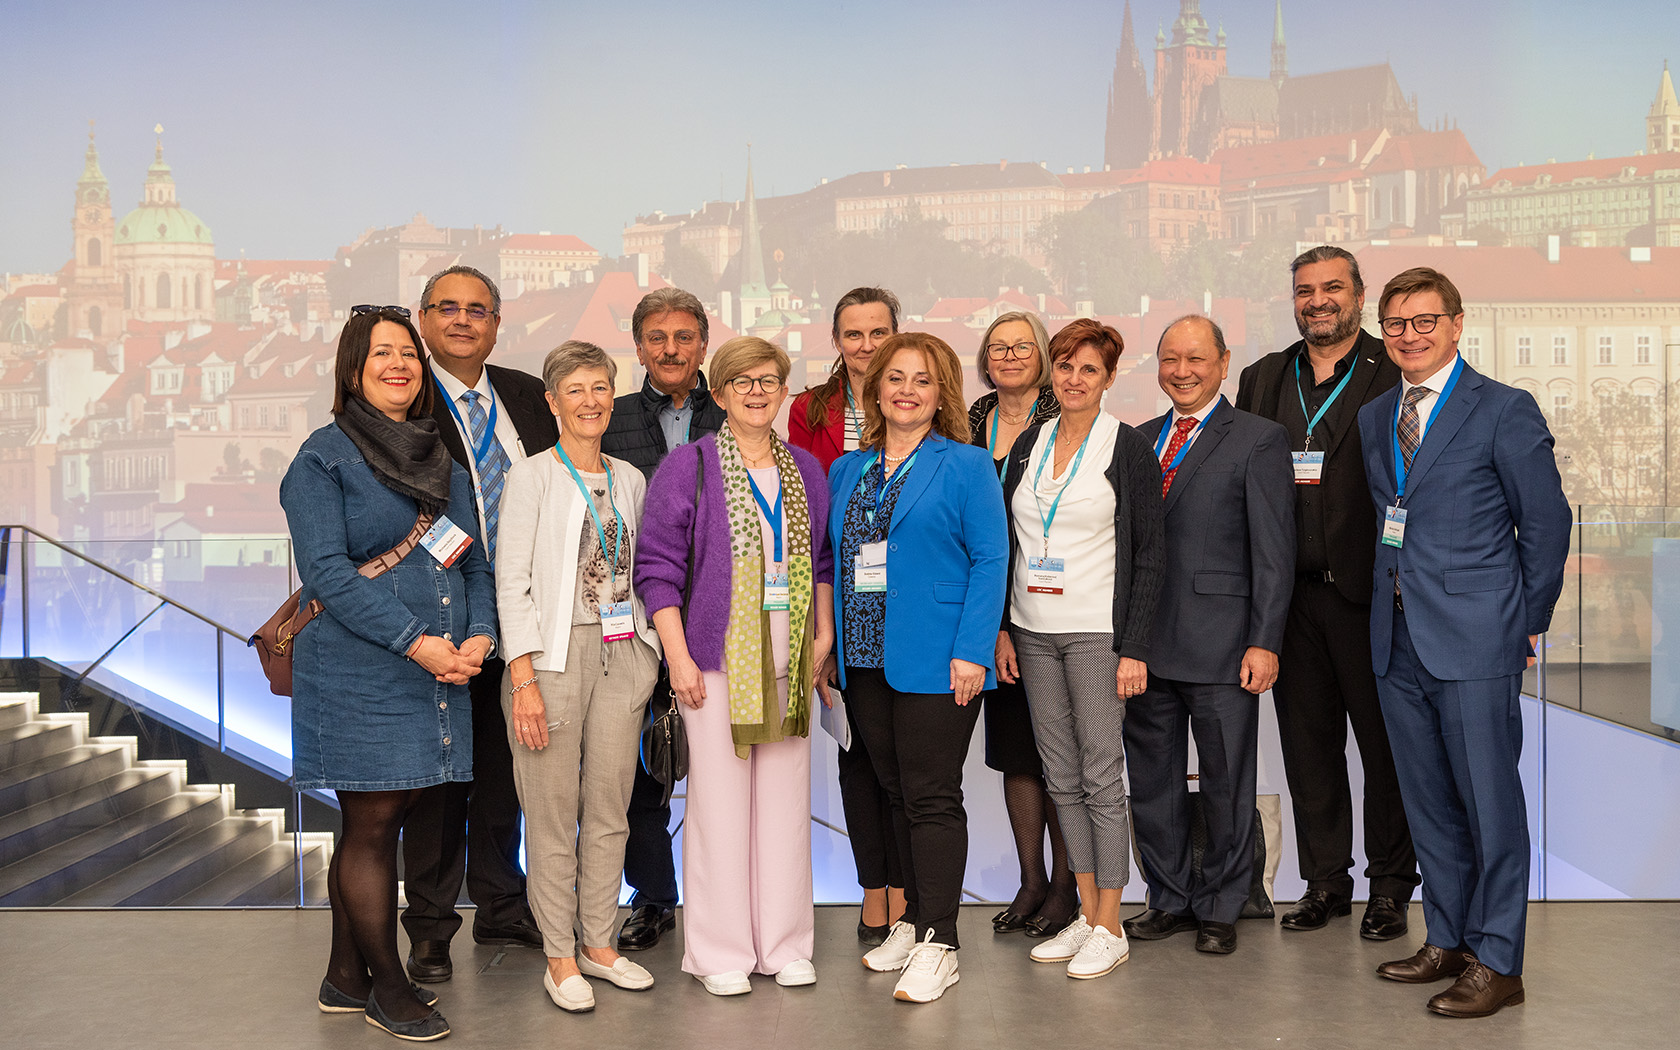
<point x="1475" y="530"/>
<point x="488" y="417"/>
<point x="1315" y="388"/>
<point x="1230" y="531"/>
<point x="672" y="408"/>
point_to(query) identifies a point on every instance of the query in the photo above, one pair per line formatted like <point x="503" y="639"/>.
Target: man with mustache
<point x="672" y="408"/>
<point x="1315" y="389"/>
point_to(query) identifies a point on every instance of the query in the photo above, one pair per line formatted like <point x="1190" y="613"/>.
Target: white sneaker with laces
<point x="931" y="968"/>
<point x="1064" y="945"/>
<point x="1100" y="954"/>
<point x="891" y="953"/>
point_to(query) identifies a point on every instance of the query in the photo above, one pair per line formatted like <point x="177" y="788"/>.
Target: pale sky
<point x="294" y="126"/>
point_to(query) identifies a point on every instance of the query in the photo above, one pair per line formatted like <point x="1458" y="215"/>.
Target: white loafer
<point x="732" y="983"/>
<point x="797" y="974"/>
<point x="623" y="973"/>
<point x="572" y="995"/>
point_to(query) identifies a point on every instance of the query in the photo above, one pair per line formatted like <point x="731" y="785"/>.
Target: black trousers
<point x="1225" y="719"/>
<point x="918" y="742"/>
<point x="648" y="865"/>
<point x="1324" y="683"/>
<point x="467" y="831"/>
<point x="869" y="823"/>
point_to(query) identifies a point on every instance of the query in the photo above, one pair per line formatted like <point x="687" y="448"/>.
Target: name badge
<point x="1394" y="526"/>
<point x="445" y="541"/>
<point x="1309" y="467"/>
<point x="616" y="621"/>
<point x="775" y="592"/>
<point x="1045" y="575"/>
<point x="871" y="568"/>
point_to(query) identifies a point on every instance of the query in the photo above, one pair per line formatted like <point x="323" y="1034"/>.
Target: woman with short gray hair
<point x="582" y="661"/>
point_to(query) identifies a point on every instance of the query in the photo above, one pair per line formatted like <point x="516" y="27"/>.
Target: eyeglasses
<point x="999" y="351"/>
<point x="451" y="310"/>
<point x="745" y="384"/>
<point x="684" y="339"/>
<point x="1422" y="324"/>
<point x="371" y="308"/>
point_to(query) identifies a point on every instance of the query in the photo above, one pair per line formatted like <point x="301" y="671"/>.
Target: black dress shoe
<point x="428" y="962"/>
<point x="522" y="933"/>
<point x="872" y="935"/>
<point x="1216" y="938"/>
<point x="1385" y="919"/>
<point x="1315" y="909"/>
<point x="1154" y="924"/>
<point x="1007" y="921"/>
<point x="643" y="927"/>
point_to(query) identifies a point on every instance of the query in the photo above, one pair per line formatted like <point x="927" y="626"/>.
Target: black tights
<point x="1030" y="813"/>
<point x="362" y="886"/>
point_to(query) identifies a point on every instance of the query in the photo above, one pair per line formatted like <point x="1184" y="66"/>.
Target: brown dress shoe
<point x="1431" y="963"/>
<point x="1478" y="993"/>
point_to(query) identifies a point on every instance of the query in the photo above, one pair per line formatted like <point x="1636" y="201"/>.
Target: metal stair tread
<point x="237" y="835"/>
<point x="116" y="793"/>
<point x="157" y="823"/>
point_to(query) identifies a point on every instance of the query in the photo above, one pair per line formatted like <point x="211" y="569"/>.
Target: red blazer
<point x="828" y="443"/>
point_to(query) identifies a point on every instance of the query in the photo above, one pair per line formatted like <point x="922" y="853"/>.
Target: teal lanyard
<point x="1399" y="404"/>
<point x="1067" y="479"/>
<point x="882" y="485"/>
<point x="1313" y="420"/>
<point x="600" y="532"/>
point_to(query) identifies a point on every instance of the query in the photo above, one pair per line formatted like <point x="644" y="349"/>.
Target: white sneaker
<point x="732" y="983"/>
<point x="1100" y="954"/>
<point x="623" y="973"/>
<point x="931" y="969"/>
<point x="797" y="974"/>
<point x="892" y="953"/>
<point x="572" y="995"/>
<point x="1064" y="945"/>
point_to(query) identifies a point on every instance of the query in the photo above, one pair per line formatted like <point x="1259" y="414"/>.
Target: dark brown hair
<point x="353" y="345"/>
<point x="823" y="397"/>
<point x="1421" y="279"/>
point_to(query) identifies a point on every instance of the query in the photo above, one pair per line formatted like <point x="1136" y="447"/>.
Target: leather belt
<point x="1315" y="576"/>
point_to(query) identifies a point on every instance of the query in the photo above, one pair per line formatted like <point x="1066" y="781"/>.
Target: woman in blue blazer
<point x="921" y="552"/>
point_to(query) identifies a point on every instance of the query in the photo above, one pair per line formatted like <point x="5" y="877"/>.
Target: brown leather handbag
<point x="273" y="640"/>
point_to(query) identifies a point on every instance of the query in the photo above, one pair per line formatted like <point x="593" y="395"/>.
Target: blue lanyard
<point x="1067" y="479"/>
<point x="1161" y="441"/>
<point x="1313" y="420"/>
<point x="857" y="418"/>
<point x="774" y="517"/>
<point x="588" y="501"/>
<point x="480" y="450"/>
<point x="1399" y="404"/>
<point x="882" y="485"/>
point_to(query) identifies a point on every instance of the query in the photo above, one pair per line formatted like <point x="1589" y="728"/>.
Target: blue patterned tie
<point x="492" y="466"/>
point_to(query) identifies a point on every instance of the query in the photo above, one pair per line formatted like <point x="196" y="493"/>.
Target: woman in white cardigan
<point x="582" y="658"/>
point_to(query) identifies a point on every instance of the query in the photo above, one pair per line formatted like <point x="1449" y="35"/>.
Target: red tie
<point x="1181" y="434"/>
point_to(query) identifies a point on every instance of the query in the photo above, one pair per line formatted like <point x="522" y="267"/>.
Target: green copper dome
<point x="162" y="224"/>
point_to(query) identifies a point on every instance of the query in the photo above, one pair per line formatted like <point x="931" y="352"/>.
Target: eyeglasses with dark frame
<point x="451" y="310"/>
<point x="1422" y="324"/>
<point x="745" y="384"/>
<point x="999" y="351"/>
<point x="374" y="308"/>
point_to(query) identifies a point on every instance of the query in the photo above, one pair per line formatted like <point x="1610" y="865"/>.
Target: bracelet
<point x="529" y="681"/>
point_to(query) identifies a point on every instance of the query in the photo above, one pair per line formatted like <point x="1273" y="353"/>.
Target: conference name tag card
<point x="617" y="623"/>
<point x="1394" y="526"/>
<point x="1045" y="575"/>
<point x="1309" y="467"/>
<point x="445" y="541"/>
<point x="775" y="592"/>
<point x="871" y="568"/>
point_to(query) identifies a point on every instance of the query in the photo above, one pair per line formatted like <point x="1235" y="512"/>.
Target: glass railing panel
<point x="1619" y="566"/>
<point x="77" y="610"/>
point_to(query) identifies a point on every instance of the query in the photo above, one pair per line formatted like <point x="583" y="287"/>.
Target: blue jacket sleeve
<point x="1526" y="464"/>
<point x="475" y="569"/>
<point x="985" y="535"/>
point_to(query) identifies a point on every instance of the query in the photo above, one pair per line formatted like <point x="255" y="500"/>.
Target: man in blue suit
<point x="1230" y="526"/>
<point x="1475" y="529"/>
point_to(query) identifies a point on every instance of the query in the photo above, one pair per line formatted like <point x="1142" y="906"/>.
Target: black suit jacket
<point x="1350" y="529"/>
<point x="1230" y="526"/>
<point x="522" y="397"/>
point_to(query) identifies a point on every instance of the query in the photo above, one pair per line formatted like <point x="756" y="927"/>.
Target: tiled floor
<point x="1599" y="975"/>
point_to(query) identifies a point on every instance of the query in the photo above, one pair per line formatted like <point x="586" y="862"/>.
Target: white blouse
<point x="1082" y="535"/>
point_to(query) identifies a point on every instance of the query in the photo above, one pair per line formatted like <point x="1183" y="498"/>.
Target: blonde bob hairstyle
<point x="951" y="419"/>
<point x="1041" y="336"/>
<point x="742" y="353"/>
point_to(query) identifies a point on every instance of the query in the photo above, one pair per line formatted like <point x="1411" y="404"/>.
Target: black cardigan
<point x="1135" y="475"/>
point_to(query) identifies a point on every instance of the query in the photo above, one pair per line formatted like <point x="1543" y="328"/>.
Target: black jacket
<point x="634" y="434"/>
<point x="1140" y="549"/>
<point x="521" y="396"/>
<point x="1350" y="524"/>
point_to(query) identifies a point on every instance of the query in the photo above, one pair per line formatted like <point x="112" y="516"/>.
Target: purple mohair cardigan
<point x="662" y="549"/>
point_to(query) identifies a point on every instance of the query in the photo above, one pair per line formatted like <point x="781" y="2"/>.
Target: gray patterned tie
<point x="1410" y="438"/>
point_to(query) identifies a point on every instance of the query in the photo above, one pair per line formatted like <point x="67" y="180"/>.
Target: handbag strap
<point x="374" y="567"/>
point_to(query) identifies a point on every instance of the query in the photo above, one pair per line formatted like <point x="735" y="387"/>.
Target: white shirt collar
<point x="1435" y="384"/>
<point x="455" y="388"/>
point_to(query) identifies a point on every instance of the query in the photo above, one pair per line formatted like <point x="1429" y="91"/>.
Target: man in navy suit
<point x="1475" y="529"/>
<point x="1230" y="527"/>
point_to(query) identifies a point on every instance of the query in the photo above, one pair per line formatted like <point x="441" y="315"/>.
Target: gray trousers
<point x="1077" y="717"/>
<point x="576" y="791"/>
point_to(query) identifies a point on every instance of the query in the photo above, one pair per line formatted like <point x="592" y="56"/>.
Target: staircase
<point x="85" y="823"/>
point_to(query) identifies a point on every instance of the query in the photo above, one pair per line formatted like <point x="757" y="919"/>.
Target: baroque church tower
<point x="1126" y="144"/>
<point x="93" y="303"/>
<point x="1183" y="69"/>
<point x="1662" y="124"/>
